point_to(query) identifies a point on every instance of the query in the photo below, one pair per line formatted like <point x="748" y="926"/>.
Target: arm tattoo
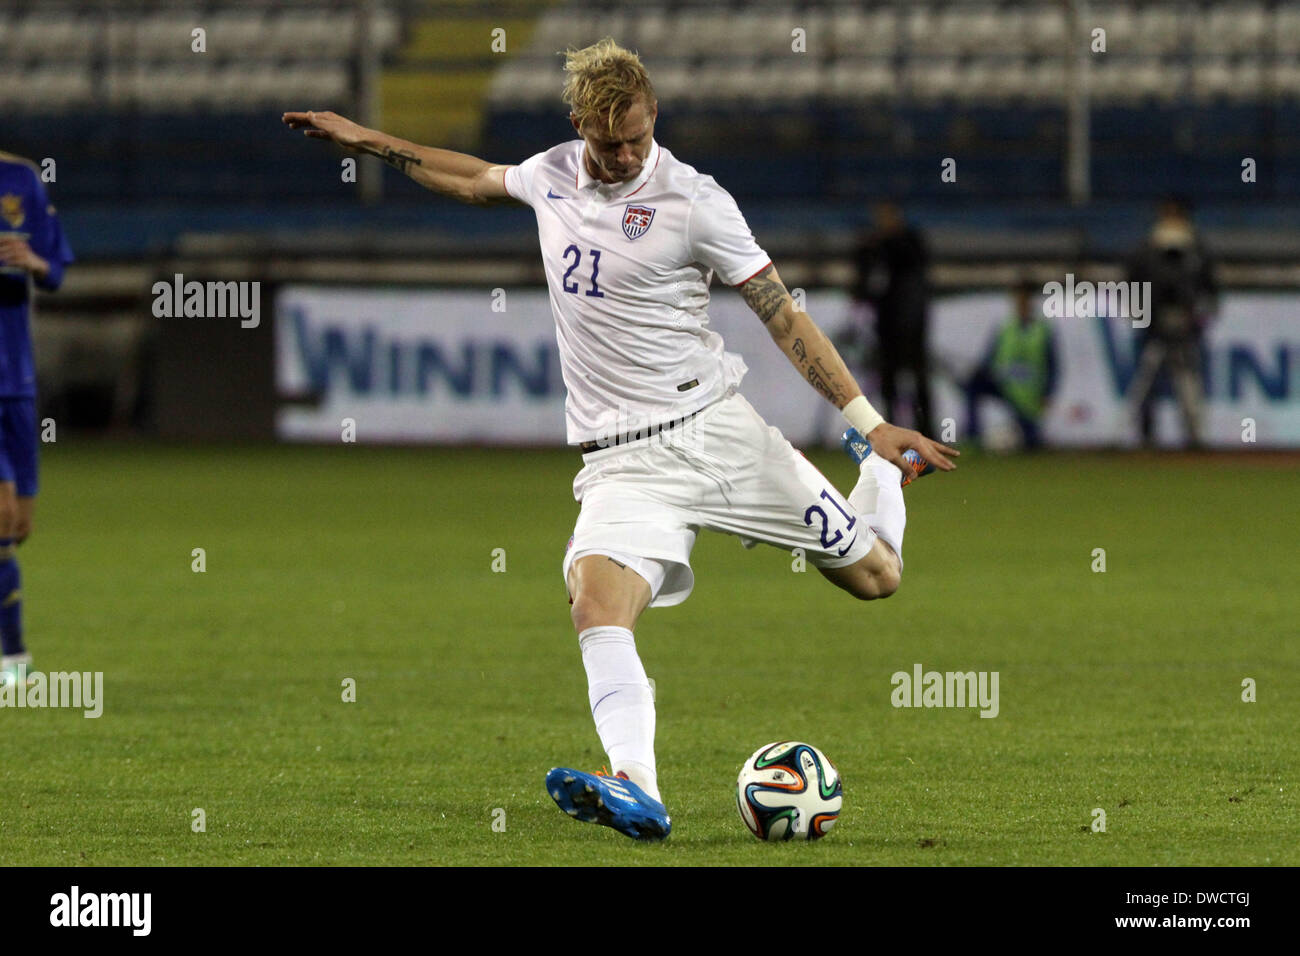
<point x="817" y="382"/>
<point x="765" y="294"/>
<point x="398" y="160"/>
<point x="818" y="374"/>
<point x="834" y="387"/>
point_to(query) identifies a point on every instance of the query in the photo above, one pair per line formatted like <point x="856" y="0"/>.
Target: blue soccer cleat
<point x="610" y="801"/>
<point x="858" y="448"/>
<point x="920" y="467"/>
<point x="855" y="445"/>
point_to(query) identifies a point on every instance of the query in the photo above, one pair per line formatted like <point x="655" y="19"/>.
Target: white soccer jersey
<point x="629" y="266"/>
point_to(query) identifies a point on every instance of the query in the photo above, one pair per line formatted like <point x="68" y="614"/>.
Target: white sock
<point x="622" y="703"/>
<point x="878" y="497"/>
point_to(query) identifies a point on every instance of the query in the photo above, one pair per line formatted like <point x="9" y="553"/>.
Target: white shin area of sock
<point x="622" y="703"/>
<point x="878" y="497"/>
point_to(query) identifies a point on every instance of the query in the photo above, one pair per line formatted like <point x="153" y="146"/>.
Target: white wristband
<point x="861" y="415"/>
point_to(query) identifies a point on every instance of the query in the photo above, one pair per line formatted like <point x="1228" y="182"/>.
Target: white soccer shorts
<point x="725" y="470"/>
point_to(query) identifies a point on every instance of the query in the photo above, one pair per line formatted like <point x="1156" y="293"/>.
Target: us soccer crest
<point x="11" y="208"/>
<point x="636" y="220"/>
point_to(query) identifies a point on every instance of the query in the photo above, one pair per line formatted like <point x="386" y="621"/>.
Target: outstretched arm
<point x="458" y="175"/>
<point x="820" y="364"/>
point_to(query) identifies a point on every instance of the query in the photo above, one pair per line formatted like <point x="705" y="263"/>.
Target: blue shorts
<point x="18" y="443"/>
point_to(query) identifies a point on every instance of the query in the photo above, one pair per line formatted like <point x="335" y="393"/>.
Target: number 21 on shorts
<point x="819" y="512"/>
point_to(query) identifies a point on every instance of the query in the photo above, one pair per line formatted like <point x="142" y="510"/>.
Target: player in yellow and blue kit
<point x="33" y="250"/>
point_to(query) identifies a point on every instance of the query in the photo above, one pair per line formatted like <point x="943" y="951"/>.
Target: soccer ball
<point x="789" y="791"/>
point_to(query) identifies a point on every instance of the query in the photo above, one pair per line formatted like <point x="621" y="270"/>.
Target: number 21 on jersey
<point x="572" y="287"/>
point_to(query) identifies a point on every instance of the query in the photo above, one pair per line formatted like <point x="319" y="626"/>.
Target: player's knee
<point x="887" y="581"/>
<point x="590" y="611"/>
<point x="874" y="581"/>
<point x="875" y="586"/>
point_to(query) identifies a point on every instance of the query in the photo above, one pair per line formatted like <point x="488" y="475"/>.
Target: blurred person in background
<point x="891" y="264"/>
<point x="1182" y="301"/>
<point x="1019" y="368"/>
<point x="33" y="251"/>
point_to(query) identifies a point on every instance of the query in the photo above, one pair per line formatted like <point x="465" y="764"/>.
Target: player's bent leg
<point x="876" y="575"/>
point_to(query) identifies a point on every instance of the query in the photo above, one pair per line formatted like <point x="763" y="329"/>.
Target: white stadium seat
<point x="968" y="50"/>
<point x="1285" y="30"/>
<point x="879" y="31"/>
<point x="1043" y="30"/>
<point x="859" y="80"/>
<point x="1286" y="79"/>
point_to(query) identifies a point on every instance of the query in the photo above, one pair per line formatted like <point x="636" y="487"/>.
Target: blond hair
<point x="604" y="80"/>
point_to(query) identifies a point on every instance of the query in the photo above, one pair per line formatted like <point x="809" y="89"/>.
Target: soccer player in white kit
<point x="631" y="237"/>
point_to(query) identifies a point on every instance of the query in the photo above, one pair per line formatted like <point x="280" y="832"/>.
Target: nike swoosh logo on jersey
<point x="550" y="194"/>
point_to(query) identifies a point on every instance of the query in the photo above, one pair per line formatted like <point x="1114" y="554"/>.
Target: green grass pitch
<point x="223" y="690"/>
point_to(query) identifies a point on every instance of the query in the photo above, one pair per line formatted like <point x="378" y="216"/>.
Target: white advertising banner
<point x="478" y="366"/>
<point x="1252" y="381"/>
<point x="409" y="365"/>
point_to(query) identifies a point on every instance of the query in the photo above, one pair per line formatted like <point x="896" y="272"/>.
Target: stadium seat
<point x="1285" y="29"/>
<point x="854" y="79"/>
<point x="1043" y="30"/>
<point x="883" y="89"/>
